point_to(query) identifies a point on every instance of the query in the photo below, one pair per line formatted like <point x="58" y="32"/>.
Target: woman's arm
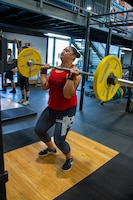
<point x="44" y="77"/>
<point x="71" y="83"/>
<point x="44" y="81"/>
<point x="18" y="45"/>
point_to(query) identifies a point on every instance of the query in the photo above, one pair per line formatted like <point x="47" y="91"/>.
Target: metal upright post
<point x="86" y="59"/>
<point x="131" y="79"/>
<point x="108" y="42"/>
<point x="3" y="174"/>
<point x="131" y="62"/>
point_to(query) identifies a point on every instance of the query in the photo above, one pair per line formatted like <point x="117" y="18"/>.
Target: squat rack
<point x="110" y="25"/>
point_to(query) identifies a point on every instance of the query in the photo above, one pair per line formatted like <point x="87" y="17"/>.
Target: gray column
<point x="86" y="59"/>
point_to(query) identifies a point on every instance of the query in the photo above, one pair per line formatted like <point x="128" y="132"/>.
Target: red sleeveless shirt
<point x="56" y="99"/>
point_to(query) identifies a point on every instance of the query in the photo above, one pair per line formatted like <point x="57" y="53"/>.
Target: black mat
<point x="16" y="113"/>
<point x="19" y="139"/>
<point x="113" y="181"/>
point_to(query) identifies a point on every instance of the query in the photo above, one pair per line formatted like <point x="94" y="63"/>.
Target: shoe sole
<point x="25" y="104"/>
<point x="47" y="154"/>
<point x="20" y="101"/>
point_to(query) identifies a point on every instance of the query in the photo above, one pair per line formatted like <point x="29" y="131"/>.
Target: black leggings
<point x="62" y="119"/>
<point x="9" y="75"/>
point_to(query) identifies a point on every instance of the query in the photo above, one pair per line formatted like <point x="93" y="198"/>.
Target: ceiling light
<point x="57" y="36"/>
<point x="126" y="49"/>
<point x="88" y="8"/>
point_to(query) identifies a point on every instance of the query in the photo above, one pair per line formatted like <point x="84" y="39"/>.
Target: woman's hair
<point x="76" y="53"/>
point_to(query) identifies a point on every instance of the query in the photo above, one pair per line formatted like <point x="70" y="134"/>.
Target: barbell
<point x="107" y="77"/>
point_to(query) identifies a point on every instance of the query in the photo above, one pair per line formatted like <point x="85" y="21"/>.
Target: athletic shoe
<point x="21" y="100"/>
<point x="13" y="91"/>
<point x="4" y="89"/>
<point x="67" y="165"/>
<point x="46" y="152"/>
<point x="25" y="103"/>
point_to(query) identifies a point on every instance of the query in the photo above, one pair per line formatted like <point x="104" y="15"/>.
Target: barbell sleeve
<point x="124" y="82"/>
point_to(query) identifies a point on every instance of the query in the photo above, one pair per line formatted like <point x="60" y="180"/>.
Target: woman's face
<point x="67" y="54"/>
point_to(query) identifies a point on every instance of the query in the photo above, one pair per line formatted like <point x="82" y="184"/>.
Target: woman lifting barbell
<point x="62" y="105"/>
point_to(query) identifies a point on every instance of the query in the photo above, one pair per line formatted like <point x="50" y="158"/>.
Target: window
<point x="55" y="47"/>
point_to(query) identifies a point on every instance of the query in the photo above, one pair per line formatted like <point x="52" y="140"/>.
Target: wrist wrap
<point x="71" y="76"/>
<point x="43" y="71"/>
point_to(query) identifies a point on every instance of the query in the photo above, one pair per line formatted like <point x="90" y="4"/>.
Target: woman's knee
<point x="42" y="134"/>
<point x="62" y="145"/>
<point x="37" y="130"/>
<point x="58" y="143"/>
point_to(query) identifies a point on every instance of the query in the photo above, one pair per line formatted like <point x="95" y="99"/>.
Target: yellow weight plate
<point x="109" y="64"/>
<point x="23" y="57"/>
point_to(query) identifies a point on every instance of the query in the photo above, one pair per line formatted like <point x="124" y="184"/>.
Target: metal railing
<point x="100" y="15"/>
<point x="76" y="6"/>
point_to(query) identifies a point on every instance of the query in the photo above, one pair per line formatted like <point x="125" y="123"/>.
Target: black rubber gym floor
<point x="113" y="181"/>
<point x="12" y="114"/>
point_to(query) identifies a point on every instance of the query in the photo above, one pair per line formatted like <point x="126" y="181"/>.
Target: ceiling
<point x="130" y="2"/>
<point x="20" y="20"/>
<point x="26" y="21"/>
